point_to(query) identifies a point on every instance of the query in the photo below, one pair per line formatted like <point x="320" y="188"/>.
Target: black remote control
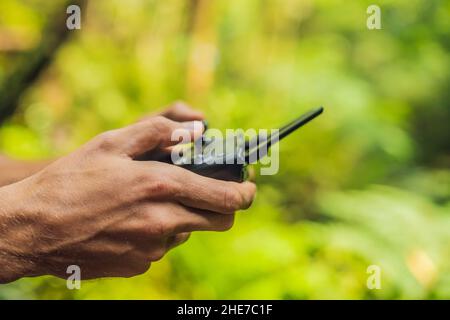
<point x="233" y="166"/>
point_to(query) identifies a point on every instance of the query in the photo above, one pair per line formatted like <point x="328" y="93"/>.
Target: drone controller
<point x="231" y="161"/>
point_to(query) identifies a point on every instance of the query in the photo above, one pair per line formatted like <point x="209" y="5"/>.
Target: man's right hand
<point x="111" y="215"/>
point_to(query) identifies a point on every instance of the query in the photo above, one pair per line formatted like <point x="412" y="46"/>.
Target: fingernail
<point x="193" y="125"/>
<point x="205" y="125"/>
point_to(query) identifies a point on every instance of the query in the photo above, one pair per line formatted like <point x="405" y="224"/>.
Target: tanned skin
<point x="102" y="210"/>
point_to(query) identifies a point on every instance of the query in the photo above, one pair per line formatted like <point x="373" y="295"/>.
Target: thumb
<point x="157" y="132"/>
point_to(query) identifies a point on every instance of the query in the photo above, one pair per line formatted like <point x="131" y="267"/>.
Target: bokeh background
<point x="367" y="183"/>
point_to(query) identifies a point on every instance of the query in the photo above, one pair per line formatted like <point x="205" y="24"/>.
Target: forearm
<point x="16" y="234"/>
<point x="14" y="170"/>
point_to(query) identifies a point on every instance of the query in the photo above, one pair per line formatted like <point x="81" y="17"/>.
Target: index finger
<point x="220" y="196"/>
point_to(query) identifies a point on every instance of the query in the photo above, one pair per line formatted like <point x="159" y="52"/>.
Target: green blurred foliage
<point x="366" y="183"/>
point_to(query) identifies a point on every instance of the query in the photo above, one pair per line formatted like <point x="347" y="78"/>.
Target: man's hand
<point x="100" y="209"/>
<point x="15" y="170"/>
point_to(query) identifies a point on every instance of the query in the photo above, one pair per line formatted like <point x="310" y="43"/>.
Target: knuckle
<point x="158" y="188"/>
<point x="166" y="127"/>
<point x="160" y="228"/>
<point x="160" y="123"/>
<point x="161" y="126"/>
<point x="107" y="140"/>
